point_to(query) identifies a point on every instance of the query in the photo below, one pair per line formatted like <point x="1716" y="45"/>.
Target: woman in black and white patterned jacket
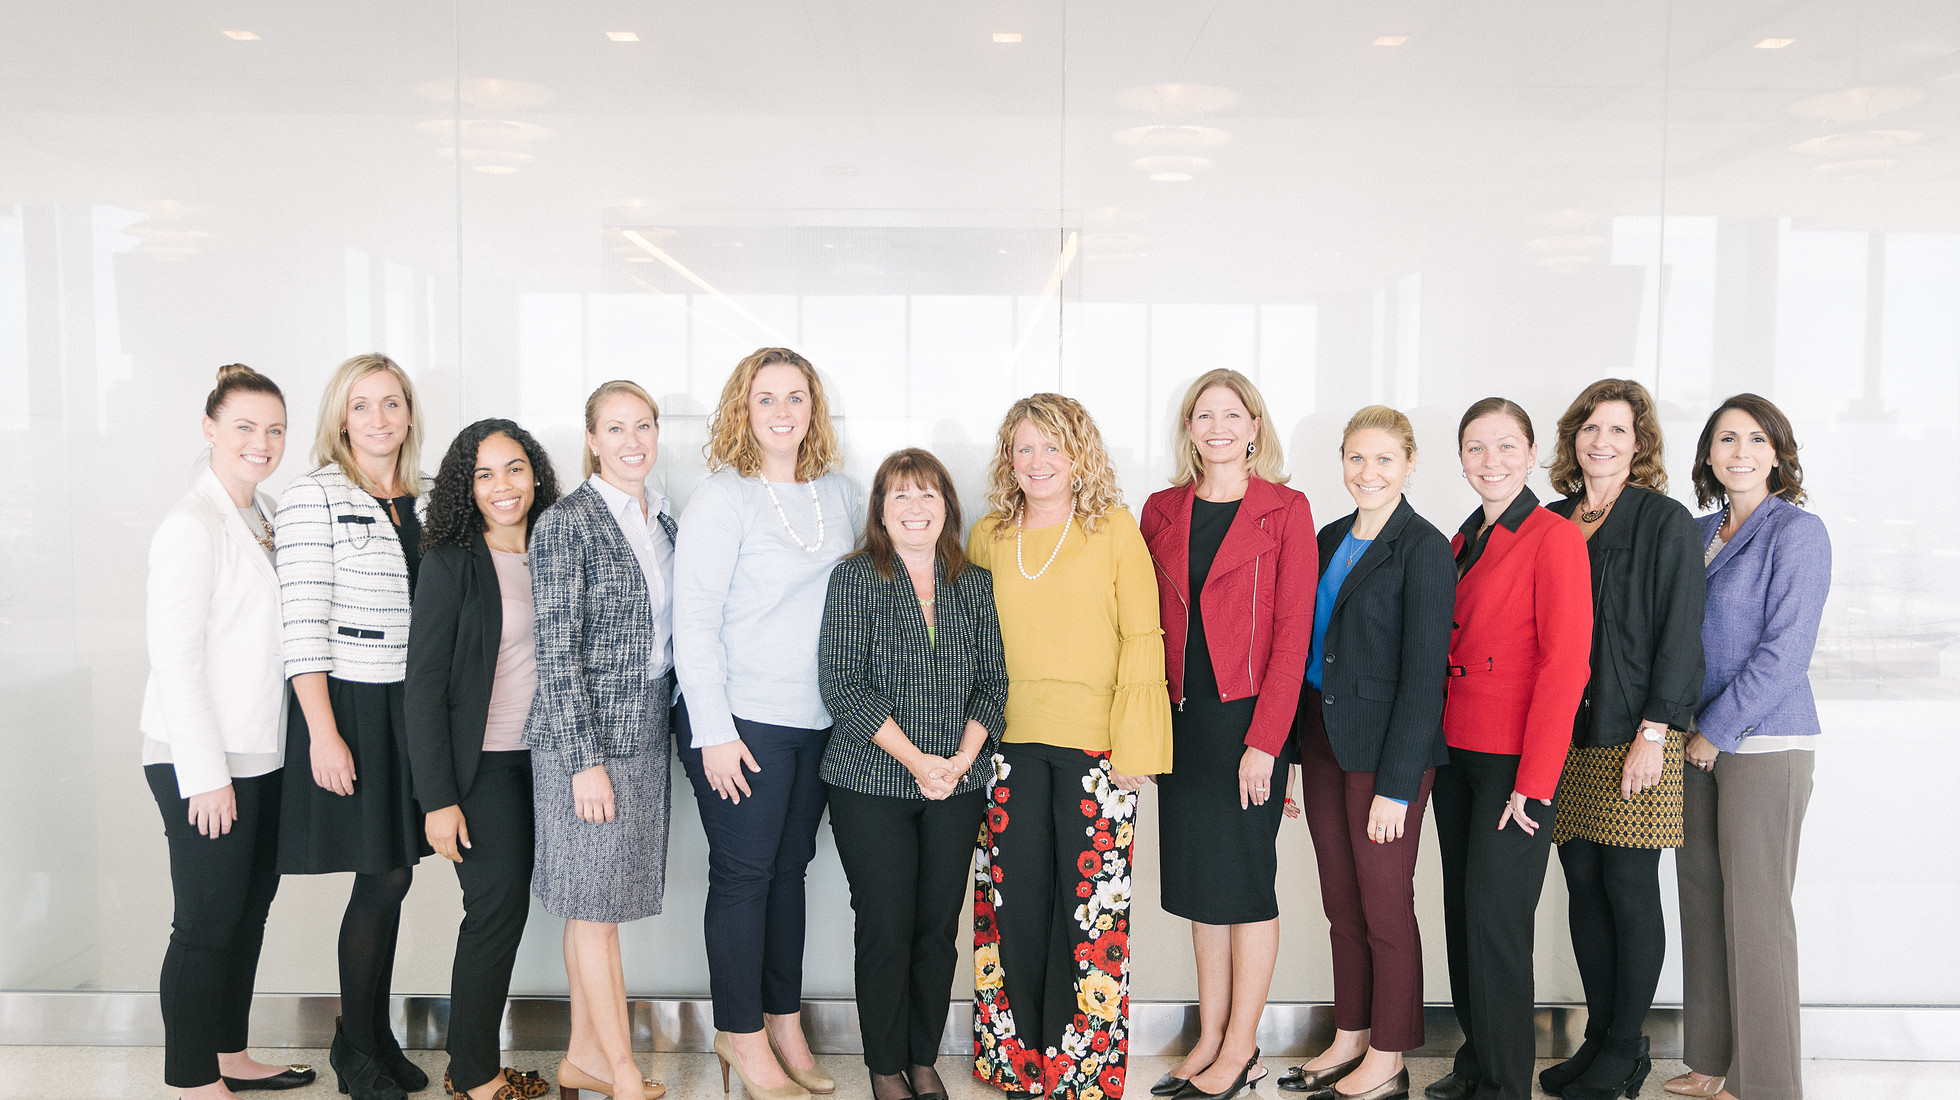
<point x="348" y="542"/>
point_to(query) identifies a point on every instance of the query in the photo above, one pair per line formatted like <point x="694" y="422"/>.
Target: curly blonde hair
<point x="1648" y="471"/>
<point x="1068" y="425"/>
<point x="732" y="443"/>
<point x="1267" y="462"/>
<point x="330" y="446"/>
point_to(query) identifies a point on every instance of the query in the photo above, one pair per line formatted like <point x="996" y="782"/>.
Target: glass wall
<point x="947" y="207"/>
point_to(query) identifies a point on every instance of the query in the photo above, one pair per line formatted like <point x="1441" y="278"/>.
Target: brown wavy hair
<point x="1785" y="481"/>
<point x="732" y="443"/>
<point x="1267" y="462"/>
<point x="590" y="463"/>
<point x="1068" y="425"/>
<point x="912" y="466"/>
<point x="1648" y="470"/>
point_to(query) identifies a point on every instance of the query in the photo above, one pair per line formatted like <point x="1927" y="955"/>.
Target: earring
<point x="1252" y="448"/>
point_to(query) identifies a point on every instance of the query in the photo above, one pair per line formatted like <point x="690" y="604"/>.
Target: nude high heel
<point x="573" y="1080"/>
<point x="814" y="1079"/>
<point x="788" y="1090"/>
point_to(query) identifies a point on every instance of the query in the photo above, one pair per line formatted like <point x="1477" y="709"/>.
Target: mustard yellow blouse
<point x="1085" y="650"/>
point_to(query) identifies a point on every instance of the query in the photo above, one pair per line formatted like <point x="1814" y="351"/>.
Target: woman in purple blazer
<point x="1769" y="569"/>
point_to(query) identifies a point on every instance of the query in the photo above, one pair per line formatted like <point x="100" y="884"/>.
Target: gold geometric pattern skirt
<point x="1590" y="806"/>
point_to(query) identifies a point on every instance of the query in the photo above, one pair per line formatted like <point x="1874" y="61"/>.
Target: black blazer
<point x="1385" y="659"/>
<point x="1649" y="586"/>
<point x="455" y="626"/>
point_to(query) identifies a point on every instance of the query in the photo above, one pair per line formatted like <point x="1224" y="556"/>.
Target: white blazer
<point x="343" y="580"/>
<point x="217" y="674"/>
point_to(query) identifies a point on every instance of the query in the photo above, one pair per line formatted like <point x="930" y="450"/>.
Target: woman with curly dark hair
<point x="472" y="671"/>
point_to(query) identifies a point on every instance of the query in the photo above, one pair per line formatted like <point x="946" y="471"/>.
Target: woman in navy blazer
<point x="1371" y="737"/>
<point x="472" y="671"/>
<point x="1769" y="571"/>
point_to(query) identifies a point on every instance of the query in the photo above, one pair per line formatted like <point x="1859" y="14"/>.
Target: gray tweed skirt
<point x="617" y="871"/>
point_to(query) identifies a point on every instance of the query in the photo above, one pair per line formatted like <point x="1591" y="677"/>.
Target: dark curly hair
<point x="453" y="518"/>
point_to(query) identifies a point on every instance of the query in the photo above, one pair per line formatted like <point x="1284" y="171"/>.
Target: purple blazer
<point x="1766" y="594"/>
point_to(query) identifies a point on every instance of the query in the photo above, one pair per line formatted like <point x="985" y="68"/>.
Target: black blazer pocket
<point x="1379" y="690"/>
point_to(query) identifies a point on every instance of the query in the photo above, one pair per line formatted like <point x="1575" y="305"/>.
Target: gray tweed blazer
<point x="595" y="633"/>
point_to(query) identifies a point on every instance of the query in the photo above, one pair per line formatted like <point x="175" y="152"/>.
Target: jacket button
<point x="1330" y="658"/>
<point x="1327" y="699"/>
<point x="1224" y="695"/>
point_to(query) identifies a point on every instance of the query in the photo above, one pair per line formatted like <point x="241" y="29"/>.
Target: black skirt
<point x="378" y="827"/>
<point x="1218" y="862"/>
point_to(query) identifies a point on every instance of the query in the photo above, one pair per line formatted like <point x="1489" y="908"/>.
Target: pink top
<point x="517" y="658"/>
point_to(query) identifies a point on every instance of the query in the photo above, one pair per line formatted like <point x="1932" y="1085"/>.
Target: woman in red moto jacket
<point x="1236" y="568"/>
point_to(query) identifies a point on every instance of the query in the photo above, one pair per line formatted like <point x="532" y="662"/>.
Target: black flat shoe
<point x="1450" y="1086"/>
<point x="1168" y="1085"/>
<point x="1395" y="1088"/>
<point x="1302" y="1079"/>
<point x="292" y="1077"/>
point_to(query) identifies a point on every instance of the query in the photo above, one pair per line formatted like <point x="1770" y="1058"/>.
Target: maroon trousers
<point x="1368" y="891"/>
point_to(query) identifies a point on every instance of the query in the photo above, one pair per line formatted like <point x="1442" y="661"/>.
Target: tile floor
<point x="136" y="1073"/>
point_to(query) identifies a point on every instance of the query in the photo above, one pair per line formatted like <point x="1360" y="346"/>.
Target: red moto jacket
<point x="1258" y="599"/>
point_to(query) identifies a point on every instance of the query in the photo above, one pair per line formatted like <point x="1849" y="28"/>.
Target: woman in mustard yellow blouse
<point x="1087" y="720"/>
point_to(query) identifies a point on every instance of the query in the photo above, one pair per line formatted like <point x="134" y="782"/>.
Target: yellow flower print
<point x="1100" y="995"/>
<point x="1124" y="833"/>
<point x="986" y="967"/>
<point x="1090" y="1092"/>
<point x="1105" y="923"/>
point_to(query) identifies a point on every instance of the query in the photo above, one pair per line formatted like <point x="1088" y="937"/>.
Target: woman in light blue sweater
<point x="1769" y="570"/>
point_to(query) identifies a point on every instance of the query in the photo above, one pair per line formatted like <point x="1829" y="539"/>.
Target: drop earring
<point x="1251" y="449"/>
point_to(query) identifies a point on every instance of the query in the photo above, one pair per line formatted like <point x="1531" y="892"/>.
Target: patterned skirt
<point x="615" y="871"/>
<point x="1590" y="806"/>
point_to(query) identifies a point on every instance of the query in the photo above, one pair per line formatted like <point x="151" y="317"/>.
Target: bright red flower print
<point x="1109" y="951"/>
<point x="1081" y="1021"/>
<point x="997" y="874"/>
<point x="1082" y="952"/>
<point x="1112" y="1081"/>
<point x="1084" y="889"/>
<point x="1102" y="842"/>
<point x="1088" y="863"/>
<point x="1102" y="824"/>
<point x="985" y="931"/>
<point x="1099" y="1041"/>
<point x="1088" y="807"/>
<point x="996" y="819"/>
<point x="1000" y="794"/>
<point x="1027" y="1065"/>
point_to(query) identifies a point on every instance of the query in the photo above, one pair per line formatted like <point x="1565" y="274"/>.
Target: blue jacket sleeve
<point x="1793" y="608"/>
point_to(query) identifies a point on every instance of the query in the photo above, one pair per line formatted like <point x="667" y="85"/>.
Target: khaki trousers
<point x="1738" y="930"/>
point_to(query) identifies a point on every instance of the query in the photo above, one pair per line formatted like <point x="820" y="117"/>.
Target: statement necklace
<point x="1596" y="514"/>
<point x="264" y="540"/>
<point x="1036" y="575"/>
<point x="815" y="502"/>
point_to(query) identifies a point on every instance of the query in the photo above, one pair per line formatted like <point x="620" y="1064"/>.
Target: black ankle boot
<point x="1619" y="1070"/>
<point x="396" y="1064"/>
<point x="359" y="1075"/>
<point x="1554" y="1079"/>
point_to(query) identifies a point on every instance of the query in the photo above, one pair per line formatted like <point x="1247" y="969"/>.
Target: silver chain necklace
<point x="815" y="502"/>
<point x="1052" y="554"/>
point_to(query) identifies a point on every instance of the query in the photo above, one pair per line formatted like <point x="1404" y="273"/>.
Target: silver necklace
<point x="814" y="503"/>
<point x="1360" y="548"/>
<point x="1036" y="575"/>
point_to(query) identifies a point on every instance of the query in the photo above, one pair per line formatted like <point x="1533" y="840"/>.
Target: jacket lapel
<point x="601" y="519"/>
<point x="1173" y="551"/>
<point x="490" y="601"/>
<point x="1246" y="539"/>
<point x="1751" y="527"/>
<point x="1377" y="552"/>
<point x="234" y="525"/>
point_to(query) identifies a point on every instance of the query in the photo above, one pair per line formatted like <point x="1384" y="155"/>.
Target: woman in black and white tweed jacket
<point x="912" y="672"/>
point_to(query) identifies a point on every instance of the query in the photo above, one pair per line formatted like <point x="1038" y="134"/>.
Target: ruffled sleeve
<point x="1140" y="712"/>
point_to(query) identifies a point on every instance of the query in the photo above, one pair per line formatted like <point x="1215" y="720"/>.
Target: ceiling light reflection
<point x="1177" y="100"/>
<point x="241" y="36"/>
<point x="1774" y="43"/>
<point x="623" y="36"/>
<point x="1007" y="37"/>
<point x="1856" y="104"/>
<point x="489" y="92"/>
<point x="1391" y="40"/>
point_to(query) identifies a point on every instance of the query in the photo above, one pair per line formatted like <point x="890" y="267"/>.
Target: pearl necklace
<point x="814" y="502"/>
<point x="1036" y="575"/>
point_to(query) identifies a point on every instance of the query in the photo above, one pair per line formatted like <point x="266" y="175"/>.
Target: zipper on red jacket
<point x="1184" y="655"/>
<point x="1254" y="636"/>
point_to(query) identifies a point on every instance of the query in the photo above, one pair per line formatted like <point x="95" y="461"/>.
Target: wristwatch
<point x="1658" y="737"/>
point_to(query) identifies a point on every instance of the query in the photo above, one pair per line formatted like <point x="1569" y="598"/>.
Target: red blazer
<point x="1258" y="599"/>
<point x="1520" y="653"/>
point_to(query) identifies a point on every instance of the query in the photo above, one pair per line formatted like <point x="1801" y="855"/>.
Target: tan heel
<point x="788" y="1090"/>
<point x="724" y="1070"/>
<point x="814" y="1079"/>
<point x="573" y="1080"/>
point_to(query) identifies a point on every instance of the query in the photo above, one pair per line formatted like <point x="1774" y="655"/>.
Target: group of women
<point x="491" y="671"/>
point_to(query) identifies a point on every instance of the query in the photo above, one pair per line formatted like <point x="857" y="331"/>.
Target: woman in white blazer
<point x="214" y="713"/>
<point x="349" y="537"/>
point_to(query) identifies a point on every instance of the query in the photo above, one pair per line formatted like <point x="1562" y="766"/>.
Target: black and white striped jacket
<point x="343" y="582"/>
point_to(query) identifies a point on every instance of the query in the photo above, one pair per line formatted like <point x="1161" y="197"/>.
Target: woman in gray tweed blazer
<point x="602" y="567"/>
<point x="912" y="672"/>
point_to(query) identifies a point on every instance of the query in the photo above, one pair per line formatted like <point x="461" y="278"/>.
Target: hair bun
<point x="234" y="378"/>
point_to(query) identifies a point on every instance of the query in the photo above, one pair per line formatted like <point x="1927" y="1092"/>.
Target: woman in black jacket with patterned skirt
<point x="916" y="723"/>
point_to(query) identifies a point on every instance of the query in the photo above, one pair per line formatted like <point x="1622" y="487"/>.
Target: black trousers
<point x="908" y="861"/>
<point x="222" y="889"/>
<point x="496" y="878"/>
<point x="1491" y="884"/>
<point x="758" y="854"/>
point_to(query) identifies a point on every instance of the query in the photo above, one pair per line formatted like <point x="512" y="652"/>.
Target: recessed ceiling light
<point x="1007" y="36"/>
<point x="1391" y="40"/>
<point x="241" y="36"/>
<point x="623" y="36"/>
<point x="1774" y="43"/>
<point x="495" y="169"/>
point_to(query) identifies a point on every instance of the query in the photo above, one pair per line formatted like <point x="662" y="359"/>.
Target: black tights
<point x="367" y="957"/>
<point x="1618" y="936"/>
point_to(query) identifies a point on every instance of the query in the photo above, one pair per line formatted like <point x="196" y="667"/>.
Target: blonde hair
<point x="731" y="442"/>
<point x="330" y="445"/>
<point x="590" y="465"/>
<point x="1267" y="462"/>
<point x="1381" y="418"/>
<point x="1068" y="425"/>
<point x="1648" y="470"/>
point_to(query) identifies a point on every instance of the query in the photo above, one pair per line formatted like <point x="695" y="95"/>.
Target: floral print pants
<point x="1051" y="914"/>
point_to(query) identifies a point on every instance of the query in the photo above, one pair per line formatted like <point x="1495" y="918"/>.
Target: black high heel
<point x="359" y="1075"/>
<point x="1168" y="1085"/>
<point x="1616" y="1072"/>
<point x="1554" y="1079"/>
<point x="396" y="1064"/>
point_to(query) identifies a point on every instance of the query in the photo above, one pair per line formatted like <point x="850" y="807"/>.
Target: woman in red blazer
<point x="1236" y="568"/>
<point x="1518" y="664"/>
